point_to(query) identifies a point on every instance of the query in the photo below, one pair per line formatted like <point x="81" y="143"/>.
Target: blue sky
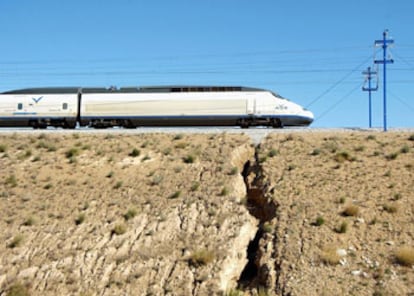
<point x="312" y="52"/>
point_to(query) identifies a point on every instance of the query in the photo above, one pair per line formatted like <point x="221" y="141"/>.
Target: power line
<point x="337" y="83"/>
<point x="338" y="102"/>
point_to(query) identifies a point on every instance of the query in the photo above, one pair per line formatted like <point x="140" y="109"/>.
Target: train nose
<point x="307" y="116"/>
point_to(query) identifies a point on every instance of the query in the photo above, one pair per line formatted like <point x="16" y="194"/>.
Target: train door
<point x="251" y="106"/>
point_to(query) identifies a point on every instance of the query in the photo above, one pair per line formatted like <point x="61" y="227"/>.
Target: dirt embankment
<point x="301" y="214"/>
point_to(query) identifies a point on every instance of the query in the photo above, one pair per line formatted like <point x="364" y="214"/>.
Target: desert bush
<point x="201" y="257"/>
<point x="175" y="195"/>
<point x="224" y="191"/>
<point x="11" y="181"/>
<point x="181" y="145"/>
<point x="178" y="137"/>
<point x="371" y="137"/>
<point x="18" y="289"/>
<point x="234" y="171"/>
<point x="30" y="221"/>
<point x="351" y="210"/>
<point x="234" y="292"/>
<point x="71" y="153"/>
<point x="272" y="153"/>
<point x="267" y="227"/>
<point x="392" y="156"/>
<point x="16" y="242"/>
<point x="405" y="149"/>
<point x="47" y="186"/>
<point x="405" y="256"/>
<point x="316" y="152"/>
<point x="189" y="158"/>
<point x="135" y="152"/>
<point x="118" y="229"/>
<point x="3" y="148"/>
<point x="131" y="213"/>
<point x="319" y="221"/>
<point x="80" y="219"/>
<point x="118" y="185"/>
<point x="342" y="228"/>
<point x="389" y="208"/>
<point x="343" y="156"/>
<point x="195" y="186"/>
<point x="330" y="256"/>
<point x="411" y="137"/>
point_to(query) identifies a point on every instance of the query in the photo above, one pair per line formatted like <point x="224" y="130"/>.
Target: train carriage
<point x="149" y="106"/>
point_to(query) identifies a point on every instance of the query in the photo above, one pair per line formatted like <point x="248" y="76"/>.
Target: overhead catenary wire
<point x="338" y="102"/>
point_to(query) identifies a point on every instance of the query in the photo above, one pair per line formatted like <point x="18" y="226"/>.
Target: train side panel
<point x="20" y="110"/>
<point x="164" y="109"/>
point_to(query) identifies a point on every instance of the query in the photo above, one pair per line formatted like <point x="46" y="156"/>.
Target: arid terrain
<point x="207" y="214"/>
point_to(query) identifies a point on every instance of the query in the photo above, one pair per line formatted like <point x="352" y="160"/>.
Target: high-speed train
<point x="132" y="107"/>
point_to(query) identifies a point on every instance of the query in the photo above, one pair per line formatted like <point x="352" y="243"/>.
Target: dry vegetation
<point x="357" y="188"/>
<point x="115" y="214"/>
<point x="166" y="214"/>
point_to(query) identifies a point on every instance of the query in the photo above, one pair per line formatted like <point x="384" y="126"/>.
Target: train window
<point x="65" y="106"/>
<point x="20" y="106"/>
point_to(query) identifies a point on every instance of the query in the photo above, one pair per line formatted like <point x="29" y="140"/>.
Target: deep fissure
<point x="262" y="208"/>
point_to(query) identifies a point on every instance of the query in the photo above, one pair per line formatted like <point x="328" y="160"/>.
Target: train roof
<point x="146" y="89"/>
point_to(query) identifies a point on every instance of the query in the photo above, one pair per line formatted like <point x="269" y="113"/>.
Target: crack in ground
<point x="262" y="207"/>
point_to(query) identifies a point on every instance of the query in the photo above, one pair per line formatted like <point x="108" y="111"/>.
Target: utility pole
<point x="384" y="43"/>
<point x="368" y="74"/>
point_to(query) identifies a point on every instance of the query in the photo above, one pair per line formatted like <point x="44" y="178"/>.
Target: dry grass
<point x="201" y="257"/>
<point x="405" y="256"/>
<point x="351" y="211"/>
<point x="330" y="255"/>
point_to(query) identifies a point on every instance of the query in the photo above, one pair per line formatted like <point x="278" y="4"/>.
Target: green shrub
<point x="16" y="242"/>
<point x="389" y="208"/>
<point x="234" y="171"/>
<point x="272" y="153"/>
<point x="18" y="289"/>
<point x="319" y="221"/>
<point x="71" y="153"/>
<point x="405" y="149"/>
<point x="224" y="191"/>
<point x="135" y="152"/>
<point x="195" y="186"/>
<point x="316" y="152"/>
<point x="343" y="156"/>
<point x="175" y="195"/>
<point x="178" y="137"/>
<point x="29" y="221"/>
<point x="3" y="148"/>
<point x="118" y="229"/>
<point x="392" y="156"/>
<point x="131" y="213"/>
<point x="201" y="257"/>
<point x="189" y="158"/>
<point x="80" y="219"/>
<point x="342" y="228"/>
<point x="11" y="181"/>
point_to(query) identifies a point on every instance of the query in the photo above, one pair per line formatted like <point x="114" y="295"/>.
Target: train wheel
<point x="277" y="123"/>
<point x="244" y="123"/>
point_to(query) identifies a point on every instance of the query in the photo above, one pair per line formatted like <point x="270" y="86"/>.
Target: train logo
<point x="37" y="100"/>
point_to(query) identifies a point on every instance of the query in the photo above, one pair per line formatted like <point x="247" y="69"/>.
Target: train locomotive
<point x="131" y="107"/>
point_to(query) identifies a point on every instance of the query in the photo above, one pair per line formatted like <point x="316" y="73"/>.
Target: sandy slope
<point x="156" y="214"/>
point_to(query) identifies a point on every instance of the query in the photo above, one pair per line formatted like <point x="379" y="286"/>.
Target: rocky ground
<point x="192" y="214"/>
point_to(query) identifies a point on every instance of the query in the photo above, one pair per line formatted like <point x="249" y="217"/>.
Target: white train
<point x="149" y="106"/>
